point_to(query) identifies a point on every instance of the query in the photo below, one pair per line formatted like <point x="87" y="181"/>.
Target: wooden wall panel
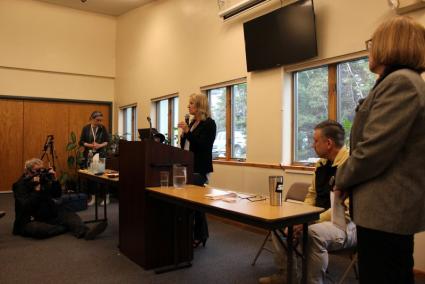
<point x="25" y="125"/>
<point x="42" y="118"/>
<point x="11" y="142"/>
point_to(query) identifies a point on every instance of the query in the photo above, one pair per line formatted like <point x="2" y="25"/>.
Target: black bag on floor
<point x="74" y="201"/>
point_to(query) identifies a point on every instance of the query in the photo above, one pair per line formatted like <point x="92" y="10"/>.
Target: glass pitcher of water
<point x="179" y="176"/>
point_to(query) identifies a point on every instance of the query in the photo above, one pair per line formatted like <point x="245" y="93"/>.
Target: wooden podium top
<point x="261" y="213"/>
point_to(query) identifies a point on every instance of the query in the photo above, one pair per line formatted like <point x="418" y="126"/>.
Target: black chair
<point x="296" y="193"/>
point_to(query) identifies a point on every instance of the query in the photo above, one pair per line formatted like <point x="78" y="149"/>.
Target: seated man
<point x="36" y="213"/>
<point x="323" y="236"/>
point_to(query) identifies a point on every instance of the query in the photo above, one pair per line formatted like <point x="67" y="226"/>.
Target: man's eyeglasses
<point x="368" y="44"/>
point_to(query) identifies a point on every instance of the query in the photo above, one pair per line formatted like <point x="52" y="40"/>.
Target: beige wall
<point x="56" y="52"/>
<point x="168" y="47"/>
<point x="179" y="46"/>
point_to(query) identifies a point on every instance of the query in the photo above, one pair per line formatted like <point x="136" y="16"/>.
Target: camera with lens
<point x="45" y="176"/>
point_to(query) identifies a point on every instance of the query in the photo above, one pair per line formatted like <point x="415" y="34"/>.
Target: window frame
<point x="123" y="124"/>
<point x="229" y="117"/>
<point x="170" y="115"/>
<point x="332" y="99"/>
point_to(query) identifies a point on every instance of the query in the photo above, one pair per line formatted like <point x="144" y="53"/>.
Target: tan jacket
<point x="310" y="199"/>
<point x="386" y="168"/>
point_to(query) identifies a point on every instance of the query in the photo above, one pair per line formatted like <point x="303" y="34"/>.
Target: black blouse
<point x="102" y="136"/>
<point x="201" y="142"/>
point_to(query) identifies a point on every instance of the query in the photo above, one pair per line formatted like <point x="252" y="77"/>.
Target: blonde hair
<point x="202" y="106"/>
<point x="399" y="42"/>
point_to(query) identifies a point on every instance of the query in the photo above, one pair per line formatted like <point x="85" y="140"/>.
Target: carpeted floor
<point x="226" y="258"/>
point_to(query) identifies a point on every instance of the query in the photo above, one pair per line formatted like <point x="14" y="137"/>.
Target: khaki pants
<point x="322" y="237"/>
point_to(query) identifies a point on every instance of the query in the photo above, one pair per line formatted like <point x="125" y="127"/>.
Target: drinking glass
<point x="163" y="178"/>
<point x="101" y="165"/>
<point x="179" y="176"/>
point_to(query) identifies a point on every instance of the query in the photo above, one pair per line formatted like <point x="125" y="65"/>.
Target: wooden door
<point x="25" y="125"/>
<point x="11" y="142"/>
<point x="42" y="118"/>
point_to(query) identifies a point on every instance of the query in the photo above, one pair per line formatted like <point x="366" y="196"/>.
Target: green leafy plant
<point x="75" y="158"/>
<point x="113" y="144"/>
<point x="347" y="124"/>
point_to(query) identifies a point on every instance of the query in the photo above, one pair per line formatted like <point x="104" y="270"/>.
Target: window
<point x="327" y="92"/>
<point x="167" y="114"/>
<point x="228" y="109"/>
<point x="127" y="123"/>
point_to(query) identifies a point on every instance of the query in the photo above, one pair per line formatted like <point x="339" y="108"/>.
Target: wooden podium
<point x="152" y="233"/>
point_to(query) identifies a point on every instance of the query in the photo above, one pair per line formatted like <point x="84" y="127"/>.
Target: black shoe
<point x="2" y="213"/>
<point x="96" y="230"/>
<point x="196" y="243"/>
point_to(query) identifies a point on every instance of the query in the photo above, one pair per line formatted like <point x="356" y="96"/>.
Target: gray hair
<point x="332" y="130"/>
<point x="29" y="164"/>
<point x="96" y="114"/>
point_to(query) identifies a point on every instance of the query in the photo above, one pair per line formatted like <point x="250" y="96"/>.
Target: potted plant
<point x="113" y="145"/>
<point x="75" y="158"/>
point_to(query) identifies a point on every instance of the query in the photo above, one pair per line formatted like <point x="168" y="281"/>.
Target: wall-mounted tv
<point x="284" y="36"/>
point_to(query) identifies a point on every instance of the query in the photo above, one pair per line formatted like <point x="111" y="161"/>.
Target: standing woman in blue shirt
<point x="198" y="137"/>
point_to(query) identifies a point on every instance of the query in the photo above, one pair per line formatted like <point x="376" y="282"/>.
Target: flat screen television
<point x="284" y="36"/>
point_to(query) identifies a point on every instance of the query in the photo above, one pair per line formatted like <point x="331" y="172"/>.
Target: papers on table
<point x="229" y="196"/>
<point x="218" y="194"/>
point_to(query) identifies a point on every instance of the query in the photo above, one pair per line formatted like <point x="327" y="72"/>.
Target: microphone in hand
<point x="186" y="118"/>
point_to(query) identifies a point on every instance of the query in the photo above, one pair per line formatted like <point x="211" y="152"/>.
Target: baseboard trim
<point x="419" y="274"/>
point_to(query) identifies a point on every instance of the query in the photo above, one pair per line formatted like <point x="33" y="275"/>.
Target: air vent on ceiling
<point x="239" y="8"/>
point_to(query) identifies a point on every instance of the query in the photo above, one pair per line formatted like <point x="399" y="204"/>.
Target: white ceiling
<point x="108" y="7"/>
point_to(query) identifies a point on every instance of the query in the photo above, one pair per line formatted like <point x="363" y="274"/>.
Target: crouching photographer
<point x="37" y="215"/>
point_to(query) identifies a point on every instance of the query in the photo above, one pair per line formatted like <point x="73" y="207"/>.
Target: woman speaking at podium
<point x="198" y="136"/>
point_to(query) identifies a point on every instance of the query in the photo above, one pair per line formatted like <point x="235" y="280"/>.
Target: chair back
<point x="297" y="191"/>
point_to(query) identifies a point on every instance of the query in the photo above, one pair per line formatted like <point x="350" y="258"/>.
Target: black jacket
<point x="36" y="205"/>
<point x="201" y="143"/>
<point x="86" y="136"/>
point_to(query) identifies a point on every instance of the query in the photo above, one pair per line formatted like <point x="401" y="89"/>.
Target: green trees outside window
<point x="228" y="109"/>
<point x="327" y="92"/>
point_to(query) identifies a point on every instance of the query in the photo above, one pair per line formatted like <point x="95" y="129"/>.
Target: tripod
<point x="49" y="151"/>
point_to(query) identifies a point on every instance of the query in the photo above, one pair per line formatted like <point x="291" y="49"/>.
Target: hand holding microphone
<point x="184" y="125"/>
<point x="186" y="118"/>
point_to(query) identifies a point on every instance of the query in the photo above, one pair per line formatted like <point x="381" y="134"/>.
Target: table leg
<point x="289" y="263"/>
<point x="96" y="195"/>
<point x="104" y="203"/>
<point x="305" y="253"/>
